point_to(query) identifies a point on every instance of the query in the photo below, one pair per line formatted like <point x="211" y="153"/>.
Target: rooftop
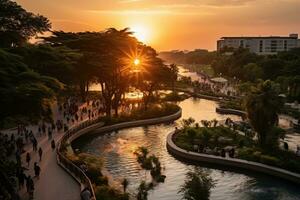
<point x="292" y="36"/>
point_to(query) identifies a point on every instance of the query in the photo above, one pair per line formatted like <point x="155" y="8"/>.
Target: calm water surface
<point x="117" y="149"/>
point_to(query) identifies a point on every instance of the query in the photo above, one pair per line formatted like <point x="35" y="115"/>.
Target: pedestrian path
<point x="54" y="183"/>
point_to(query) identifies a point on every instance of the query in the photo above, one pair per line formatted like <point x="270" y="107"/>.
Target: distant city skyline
<point x="174" y="24"/>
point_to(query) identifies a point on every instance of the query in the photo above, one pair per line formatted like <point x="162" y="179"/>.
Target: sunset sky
<point x="174" y="24"/>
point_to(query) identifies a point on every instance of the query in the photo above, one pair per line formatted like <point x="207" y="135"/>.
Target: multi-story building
<point x="261" y="45"/>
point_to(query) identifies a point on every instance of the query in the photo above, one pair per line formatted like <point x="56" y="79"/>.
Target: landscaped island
<point x="226" y="142"/>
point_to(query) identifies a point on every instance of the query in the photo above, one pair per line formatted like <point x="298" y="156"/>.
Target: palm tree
<point x="125" y="183"/>
<point x="142" y="191"/>
<point x="263" y="105"/>
<point x="197" y="185"/>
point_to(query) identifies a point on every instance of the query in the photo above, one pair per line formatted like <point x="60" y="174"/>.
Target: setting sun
<point x="136" y="61"/>
<point x="141" y="33"/>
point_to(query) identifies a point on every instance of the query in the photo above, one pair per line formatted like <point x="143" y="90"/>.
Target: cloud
<point x="130" y="12"/>
<point x="226" y="2"/>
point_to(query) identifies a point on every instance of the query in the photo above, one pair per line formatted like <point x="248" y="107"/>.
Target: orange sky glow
<point x="173" y="24"/>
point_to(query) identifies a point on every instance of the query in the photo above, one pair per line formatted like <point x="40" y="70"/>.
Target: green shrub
<point x="292" y="165"/>
<point x="108" y="193"/>
<point x="100" y="180"/>
<point x="269" y="160"/>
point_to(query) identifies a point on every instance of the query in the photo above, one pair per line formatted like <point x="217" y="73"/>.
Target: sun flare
<point x="141" y="33"/>
<point x="136" y="62"/>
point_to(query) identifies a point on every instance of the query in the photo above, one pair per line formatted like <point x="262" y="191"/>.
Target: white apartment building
<point x="261" y="45"/>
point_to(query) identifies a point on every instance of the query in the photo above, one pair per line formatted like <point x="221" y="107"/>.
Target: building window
<point x="242" y="43"/>
<point x="260" y="46"/>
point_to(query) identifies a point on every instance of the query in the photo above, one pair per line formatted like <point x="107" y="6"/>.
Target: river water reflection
<point x="119" y="161"/>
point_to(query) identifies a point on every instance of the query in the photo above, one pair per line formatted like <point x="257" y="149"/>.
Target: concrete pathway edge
<point x="231" y="162"/>
<point x="85" y="128"/>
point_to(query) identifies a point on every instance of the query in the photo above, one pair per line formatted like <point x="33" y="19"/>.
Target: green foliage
<point x="197" y="185"/>
<point x="269" y="160"/>
<point x="236" y="105"/>
<point x="210" y="137"/>
<point x="143" y="191"/>
<point x="252" y="72"/>
<point x="187" y="122"/>
<point x="175" y="97"/>
<point x="198" y="56"/>
<point x="20" y="84"/>
<point x="151" y="163"/>
<point x="57" y="62"/>
<point x="263" y="106"/>
<point x="107" y="193"/>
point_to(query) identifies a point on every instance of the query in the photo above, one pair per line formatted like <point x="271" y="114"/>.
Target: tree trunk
<point x="82" y="91"/>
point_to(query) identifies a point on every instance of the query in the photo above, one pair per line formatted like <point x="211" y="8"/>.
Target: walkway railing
<point x="67" y="164"/>
<point x="69" y="135"/>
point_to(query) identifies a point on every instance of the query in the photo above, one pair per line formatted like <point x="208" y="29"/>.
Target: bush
<point x="100" y="180"/>
<point x="249" y="154"/>
<point x="269" y="160"/>
<point x="108" y="193"/>
<point x="175" y="97"/>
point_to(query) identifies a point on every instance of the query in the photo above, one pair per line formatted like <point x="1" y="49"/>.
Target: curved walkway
<point x="54" y="183"/>
<point x="232" y="162"/>
<point x="98" y="127"/>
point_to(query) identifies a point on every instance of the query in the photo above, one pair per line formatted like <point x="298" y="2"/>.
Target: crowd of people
<point x="17" y="143"/>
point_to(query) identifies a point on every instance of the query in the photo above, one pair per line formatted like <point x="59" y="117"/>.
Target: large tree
<point x="17" y="25"/>
<point x="263" y="105"/>
<point x="153" y="74"/>
<point x="90" y="45"/>
<point x="25" y="94"/>
<point x="57" y="62"/>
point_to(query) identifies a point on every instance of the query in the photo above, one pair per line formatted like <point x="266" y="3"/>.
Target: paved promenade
<point x="54" y="183"/>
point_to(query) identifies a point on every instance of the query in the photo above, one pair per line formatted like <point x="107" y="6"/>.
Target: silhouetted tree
<point x="17" y="25"/>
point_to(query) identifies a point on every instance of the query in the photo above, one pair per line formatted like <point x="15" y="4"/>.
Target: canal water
<point x="117" y="150"/>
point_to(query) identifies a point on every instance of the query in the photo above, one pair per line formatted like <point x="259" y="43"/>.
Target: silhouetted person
<point x="28" y="158"/>
<point x="49" y="133"/>
<point x="18" y="157"/>
<point x="30" y="186"/>
<point x="37" y="170"/>
<point x="286" y="146"/>
<point x="40" y="153"/>
<point x="21" y="178"/>
<point x="223" y="153"/>
<point x="231" y="153"/>
<point x="34" y="144"/>
<point x="53" y="145"/>
<point x="86" y="194"/>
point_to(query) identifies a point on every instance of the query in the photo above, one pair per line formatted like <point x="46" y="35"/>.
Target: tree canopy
<point x="263" y="105"/>
<point x="19" y="83"/>
<point x="17" y="25"/>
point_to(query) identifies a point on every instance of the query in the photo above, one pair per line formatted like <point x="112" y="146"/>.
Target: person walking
<point x="40" y="153"/>
<point x="37" y="170"/>
<point x="49" y="133"/>
<point x="21" y="178"/>
<point x="53" y="145"/>
<point x="28" y="158"/>
<point x="86" y="194"/>
<point x="34" y="144"/>
<point x="30" y="186"/>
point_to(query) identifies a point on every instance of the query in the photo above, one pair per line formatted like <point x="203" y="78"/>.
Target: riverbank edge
<point x="231" y="112"/>
<point x="230" y="162"/>
<point x="97" y="125"/>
